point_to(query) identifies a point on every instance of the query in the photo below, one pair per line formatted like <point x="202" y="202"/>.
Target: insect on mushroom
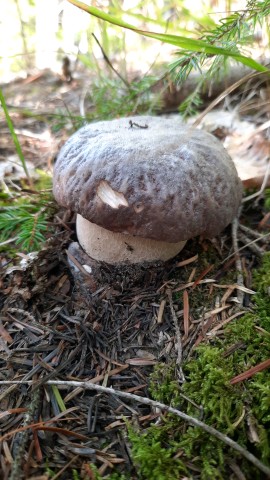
<point x="141" y="193"/>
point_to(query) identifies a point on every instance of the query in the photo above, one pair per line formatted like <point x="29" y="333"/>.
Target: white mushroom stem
<point x="110" y="247"/>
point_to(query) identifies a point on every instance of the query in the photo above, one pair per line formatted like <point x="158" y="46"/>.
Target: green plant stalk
<point x="178" y="41"/>
<point x="14" y="137"/>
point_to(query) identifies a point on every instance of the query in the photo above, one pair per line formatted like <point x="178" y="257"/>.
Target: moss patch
<point x="242" y="411"/>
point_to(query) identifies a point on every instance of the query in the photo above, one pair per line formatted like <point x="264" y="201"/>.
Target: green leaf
<point x="176" y="40"/>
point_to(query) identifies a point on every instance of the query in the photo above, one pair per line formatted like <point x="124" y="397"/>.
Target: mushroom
<point x="141" y="188"/>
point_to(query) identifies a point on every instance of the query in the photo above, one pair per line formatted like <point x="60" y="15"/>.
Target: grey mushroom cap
<point x="150" y="177"/>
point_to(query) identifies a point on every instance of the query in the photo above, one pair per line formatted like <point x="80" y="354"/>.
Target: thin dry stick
<point x="244" y="246"/>
<point x="238" y="264"/>
<point x="10" y="240"/>
<point x="223" y="95"/>
<point x="253" y="233"/>
<point x="147" y="401"/>
<point x="253" y="247"/>
<point x="178" y="336"/>
<point x="28" y="375"/>
<point x="16" y="471"/>
<point x="107" y="60"/>
<point x="259" y="129"/>
<point x="65" y="467"/>
<point x="263" y="186"/>
<point x="82" y="100"/>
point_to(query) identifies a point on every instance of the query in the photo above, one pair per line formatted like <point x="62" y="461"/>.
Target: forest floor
<point x="192" y="333"/>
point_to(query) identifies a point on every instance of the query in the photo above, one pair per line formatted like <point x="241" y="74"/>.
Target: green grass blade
<point x="58" y="398"/>
<point x="204" y="21"/>
<point x="14" y="136"/>
<point x="160" y="23"/>
<point x="178" y="41"/>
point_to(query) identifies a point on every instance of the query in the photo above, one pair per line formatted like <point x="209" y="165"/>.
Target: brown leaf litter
<point x="52" y="328"/>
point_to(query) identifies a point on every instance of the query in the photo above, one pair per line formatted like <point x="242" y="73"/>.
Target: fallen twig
<point x="263" y="186"/>
<point x="245" y="246"/>
<point x="238" y="264"/>
<point x="147" y="401"/>
<point x="253" y="233"/>
<point x="253" y="247"/>
<point x="178" y="337"/>
<point x="107" y="60"/>
<point x="16" y="471"/>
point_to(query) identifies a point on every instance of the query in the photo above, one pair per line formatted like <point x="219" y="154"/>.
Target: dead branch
<point x="147" y="401"/>
<point x="178" y="337"/>
<point x="21" y="440"/>
<point x="238" y="264"/>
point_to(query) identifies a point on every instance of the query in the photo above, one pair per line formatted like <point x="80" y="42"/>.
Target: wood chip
<point x="161" y="311"/>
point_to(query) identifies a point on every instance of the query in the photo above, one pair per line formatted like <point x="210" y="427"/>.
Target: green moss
<point x="241" y="411"/>
<point x="112" y="476"/>
<point x="117" y="476"/>
<point x="75" y="475"/>
<point x="44" y="181"/>
<point x="163" y="384"/>
<point x="154" y="455"/>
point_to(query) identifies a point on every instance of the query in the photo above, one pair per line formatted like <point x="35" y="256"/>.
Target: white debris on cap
<point x="148" y="177"/>
<point x="109" y="196"/>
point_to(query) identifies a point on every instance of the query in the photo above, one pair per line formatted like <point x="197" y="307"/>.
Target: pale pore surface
<point x="103" y="245"/>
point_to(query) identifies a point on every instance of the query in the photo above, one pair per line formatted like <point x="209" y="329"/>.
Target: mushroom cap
<point x="167" y="182"/>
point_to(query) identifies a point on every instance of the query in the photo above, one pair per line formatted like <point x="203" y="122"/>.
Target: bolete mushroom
<point x="142" y="187"/>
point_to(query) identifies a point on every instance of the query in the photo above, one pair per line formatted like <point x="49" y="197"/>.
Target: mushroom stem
<point x="110" y="247"/>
